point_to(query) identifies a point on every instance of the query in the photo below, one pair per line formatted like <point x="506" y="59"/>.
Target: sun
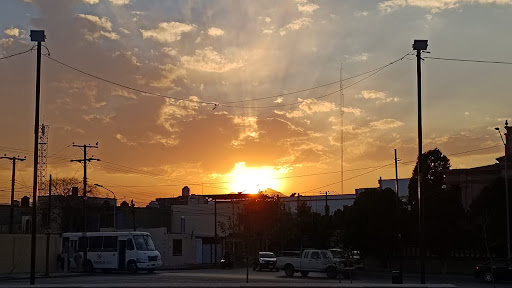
<point x="251" y="180"/>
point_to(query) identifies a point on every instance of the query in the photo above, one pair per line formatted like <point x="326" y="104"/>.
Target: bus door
<point x="121" y="260"/>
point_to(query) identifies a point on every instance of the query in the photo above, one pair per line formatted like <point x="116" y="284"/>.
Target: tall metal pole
<point x="398" y="230"/>
<point x="49" y="224"/>
<point x="35" y="35"/>
<point x="215" y="236"/>
<point x="13" y="181"/>
<point x="420" y="45"/>
<point x="507" y="204"/>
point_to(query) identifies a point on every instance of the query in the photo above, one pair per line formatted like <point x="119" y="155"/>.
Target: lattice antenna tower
<point x="342" y="128"/>
<point x="42" y="171"/>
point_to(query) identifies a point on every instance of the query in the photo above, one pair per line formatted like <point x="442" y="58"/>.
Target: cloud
<point x="214" y="32"/>
<point x="170" y="51"/>
<point x="14" y="32"/>
<point x="6" y="42"/>
<point x="357" y="58"/>
<point x="167" y="32"/>
<point x="102" y="22"/>
<point x="307" y="8"/>
<point x="124" y="140"/>
<point x="174" y="110"/>
<point x="267" y="31"/>
<point x="296" y="25"/>
<point x="356" y="111"/>
<point x="124" y="31"/>
<point x="379" y="95"/>
<point x="209" y="60"/>
<point x="248" y="129"/>
<point x="434" y="5"/>
<point x="169" y="74"/>
<point x="267" y="19"/>
<point x="308" y="107"/>
<point x="127" y="55"/>
<point x="91" y="1"/>
<point x="360" y="13"/>
<point x="279" y="100"/>
<point x="386" y="123"/>
<point x="119" y="2"/>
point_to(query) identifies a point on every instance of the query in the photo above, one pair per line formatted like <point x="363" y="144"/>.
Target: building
<point x="318" y="203"/>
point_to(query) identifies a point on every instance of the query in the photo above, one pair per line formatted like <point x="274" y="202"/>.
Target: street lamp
<point x="419" y="46"/>
<point x="115" y="202"/>
<point x="506" y="192"/>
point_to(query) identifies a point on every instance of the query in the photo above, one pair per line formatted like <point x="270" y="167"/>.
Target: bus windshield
<point x="143" y="243"/>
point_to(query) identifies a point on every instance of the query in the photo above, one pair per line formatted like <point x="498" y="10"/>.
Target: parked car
<point x="265" y="260"/>
<point x="310" y="260"/>
<point x="494" y="270"/>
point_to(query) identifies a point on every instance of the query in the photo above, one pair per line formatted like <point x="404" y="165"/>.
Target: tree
<point x="434" y="163"/>
<point x="488" y="217"/>
<point x="372" y="221"/>
<point x="444" y="215"/>
<point x="66" y="210"/>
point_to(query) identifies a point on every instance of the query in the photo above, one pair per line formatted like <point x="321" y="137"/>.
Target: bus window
<point x="144" y="243"/>
<point x="95" y="243"/>
<point x="110" y="243"/>
<point x="65" y="244"/>
<point x="129" y="245"/>
<point x="82" y="244"/>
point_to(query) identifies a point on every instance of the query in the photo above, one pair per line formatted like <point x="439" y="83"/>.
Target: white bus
<point x="130" y="251"/>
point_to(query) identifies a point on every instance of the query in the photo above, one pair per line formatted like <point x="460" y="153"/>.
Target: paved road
<point x="239" y="276"/>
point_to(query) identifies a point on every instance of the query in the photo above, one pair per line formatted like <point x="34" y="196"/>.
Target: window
<point x="315" y="255"/>
<point x="177" y="248"/>
<point x="325" y="255"/>
<point x="110" y="243"/>
<point x="95" y="243"/>
<point x="144" y="243"/>
<point x="129" y="245"/>
<point x="306" y="254"/>
<point x="82" y="243"/>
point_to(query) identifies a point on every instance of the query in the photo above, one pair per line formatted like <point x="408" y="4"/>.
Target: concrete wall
<point x="15" y="253"/>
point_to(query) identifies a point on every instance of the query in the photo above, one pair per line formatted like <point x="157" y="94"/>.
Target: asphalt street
<point x="238" y="275"/>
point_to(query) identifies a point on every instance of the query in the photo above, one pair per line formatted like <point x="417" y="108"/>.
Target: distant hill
<point x="273" y="193"/>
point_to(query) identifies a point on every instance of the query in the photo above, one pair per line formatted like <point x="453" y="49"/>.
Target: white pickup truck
<point x="309" y="260"/>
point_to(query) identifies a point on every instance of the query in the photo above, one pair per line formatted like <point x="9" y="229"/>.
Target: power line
<point x="128" y="87"/>
<point x="319" y="86"/>
<point x="12" y="55"/>
<point x="373" y="72"/>
<point x="469" y="60"/>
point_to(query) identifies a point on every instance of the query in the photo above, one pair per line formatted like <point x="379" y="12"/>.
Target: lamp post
<point x="115" y="202"/>
<point x="506" y="191"/>
<point x="419" y="46"/>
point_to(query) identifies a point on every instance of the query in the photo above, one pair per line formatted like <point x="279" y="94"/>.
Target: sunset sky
<point x="244" y="58"/>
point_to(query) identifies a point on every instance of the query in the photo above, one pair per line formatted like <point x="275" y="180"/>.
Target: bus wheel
<point x="132" y="267"/>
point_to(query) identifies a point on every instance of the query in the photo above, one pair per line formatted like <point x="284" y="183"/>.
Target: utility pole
<point x="84" y="162"/>
<point x="399" y="232"/>
<point x="215" y="236"/>
<point x="507" y="203"/>
<point x="49" y="224"/>
<point x="35" y="36"/>
<point x="327" y="212"/>
<point x="13" y="179"/>
<point x="420" y="45"/>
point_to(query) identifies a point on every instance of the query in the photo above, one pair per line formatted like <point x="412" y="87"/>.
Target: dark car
<point x="494" y="270"/>
<point x="265" y="260"/>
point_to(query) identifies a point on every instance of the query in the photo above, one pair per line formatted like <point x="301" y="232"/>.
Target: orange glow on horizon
<point x="251" y="180"/>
